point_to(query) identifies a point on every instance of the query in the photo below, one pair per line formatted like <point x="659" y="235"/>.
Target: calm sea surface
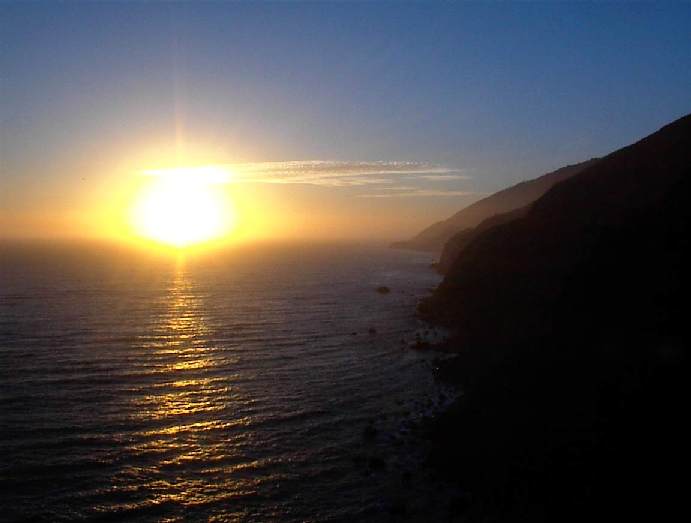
<point x="268" y="383"/>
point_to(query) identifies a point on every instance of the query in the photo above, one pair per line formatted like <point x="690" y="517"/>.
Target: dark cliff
<point x="571" y="324"/>
<point x="459" y="241"/>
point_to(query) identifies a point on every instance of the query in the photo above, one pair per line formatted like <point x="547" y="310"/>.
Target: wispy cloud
<point x="444" y="177"/>
<point x="393" y="179"/>
<point x="413" y="193"/>
<point x="336" y="174"/>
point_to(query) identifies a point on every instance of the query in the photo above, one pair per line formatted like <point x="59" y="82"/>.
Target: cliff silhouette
<point x="571" y="327"/>
<point x="434" y="237"/>
<point x="459" y="241"/>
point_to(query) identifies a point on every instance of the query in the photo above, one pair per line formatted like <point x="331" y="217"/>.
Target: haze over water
<point x="237" y="385"/>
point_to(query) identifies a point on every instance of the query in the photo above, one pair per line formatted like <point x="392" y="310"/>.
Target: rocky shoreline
<point x="399" y="454"/>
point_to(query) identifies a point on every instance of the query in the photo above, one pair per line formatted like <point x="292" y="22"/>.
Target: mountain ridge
<point x="434" y="237"/>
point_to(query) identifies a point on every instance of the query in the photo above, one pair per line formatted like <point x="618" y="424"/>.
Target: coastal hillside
<point x="452" y="248"/>
<point x="571" y="326"/>
<point x="434" y="237"/>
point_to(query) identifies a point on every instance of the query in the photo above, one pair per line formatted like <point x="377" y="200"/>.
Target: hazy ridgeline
<point x="438" y="236"/>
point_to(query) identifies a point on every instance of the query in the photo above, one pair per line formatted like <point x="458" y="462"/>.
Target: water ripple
<point x="228" y="389"/>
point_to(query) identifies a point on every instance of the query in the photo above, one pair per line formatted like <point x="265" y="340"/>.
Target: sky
<point x="336" y="120"/>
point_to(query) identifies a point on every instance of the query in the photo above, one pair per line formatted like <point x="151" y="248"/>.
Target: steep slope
<point x="529" y="259"/>
<point x="435" y="236"/>
<point x="572" y="327"/>
<point x="461" y="240"/>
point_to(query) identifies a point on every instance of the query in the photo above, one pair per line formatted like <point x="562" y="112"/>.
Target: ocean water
<point x="266" y="383"/>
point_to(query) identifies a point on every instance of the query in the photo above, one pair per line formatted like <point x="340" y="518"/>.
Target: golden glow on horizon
<point x="183" y="206"/>
<point x="144" y="197"/>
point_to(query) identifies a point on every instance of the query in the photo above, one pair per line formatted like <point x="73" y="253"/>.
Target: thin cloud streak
<point x="336" y="174"/>
<point x="443" y="177"/>
<point x="392" y="178"/>
<point x="420" y="193"/>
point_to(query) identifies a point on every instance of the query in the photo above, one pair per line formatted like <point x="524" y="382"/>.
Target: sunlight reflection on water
<point x="183" y="337"/>
<point x="228" y="390"/>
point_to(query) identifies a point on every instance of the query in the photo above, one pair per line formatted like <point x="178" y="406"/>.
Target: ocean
<point x="262" y="383"/>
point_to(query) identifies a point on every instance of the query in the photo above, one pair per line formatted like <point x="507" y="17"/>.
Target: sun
<point x="182" y="207"/>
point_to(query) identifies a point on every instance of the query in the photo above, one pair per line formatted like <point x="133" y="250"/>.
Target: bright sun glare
<point x="182" y="207"/>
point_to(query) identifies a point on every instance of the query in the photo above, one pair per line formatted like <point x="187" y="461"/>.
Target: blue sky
<point x="490" y="93"/>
